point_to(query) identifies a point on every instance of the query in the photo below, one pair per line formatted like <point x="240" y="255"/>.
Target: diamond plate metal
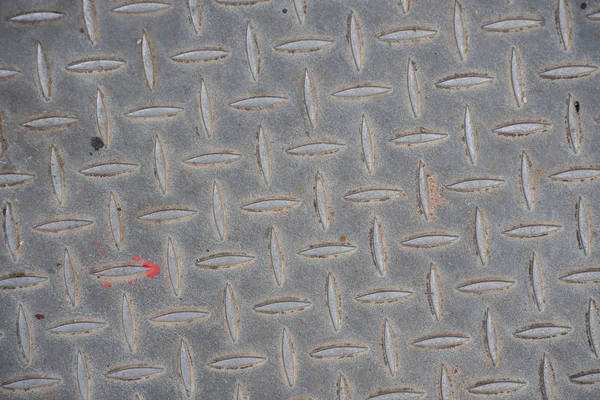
<point x="299" y="199"/>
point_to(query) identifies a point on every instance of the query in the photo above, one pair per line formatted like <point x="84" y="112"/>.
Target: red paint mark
<point x="153" y="269"/>
<point x="98" y="244"/>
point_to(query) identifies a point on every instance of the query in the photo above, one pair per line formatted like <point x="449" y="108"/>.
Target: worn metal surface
<point x="314" y="200"/>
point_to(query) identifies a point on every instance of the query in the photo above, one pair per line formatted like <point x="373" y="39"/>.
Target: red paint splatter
<point x="153" y="269"/>
<point x="98" y="244"/>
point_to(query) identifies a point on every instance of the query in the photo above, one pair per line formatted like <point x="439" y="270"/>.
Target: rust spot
<point x="40" y="316"/>
<point x="343" y="239"/>
<point x="435" y="195"/>
<point x="540" y="174"/>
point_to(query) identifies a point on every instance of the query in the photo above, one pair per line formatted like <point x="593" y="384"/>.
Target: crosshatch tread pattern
<point x="261" y="199"/>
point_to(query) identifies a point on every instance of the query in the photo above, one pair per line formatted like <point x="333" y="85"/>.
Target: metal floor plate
<point x="246" y="199"/>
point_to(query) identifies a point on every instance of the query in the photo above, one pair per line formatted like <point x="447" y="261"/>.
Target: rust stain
<point x="435" y="195"/>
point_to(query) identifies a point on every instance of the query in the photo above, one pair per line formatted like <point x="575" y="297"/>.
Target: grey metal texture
<point x="242" y="199"/>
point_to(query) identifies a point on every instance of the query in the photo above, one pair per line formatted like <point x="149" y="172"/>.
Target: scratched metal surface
<point x="387" y="200"/>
